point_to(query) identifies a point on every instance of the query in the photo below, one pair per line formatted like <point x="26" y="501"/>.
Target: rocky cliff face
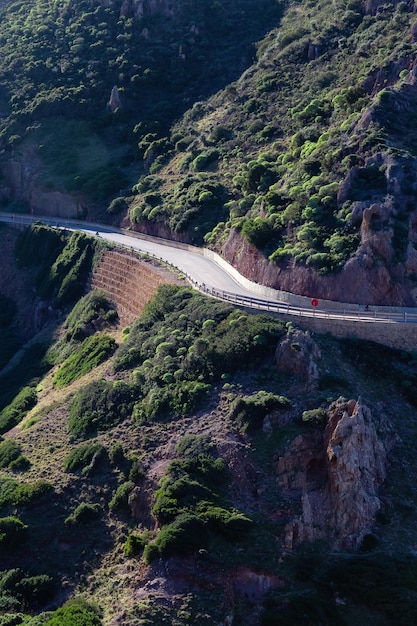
<point x="383" y="269"/>
<point x="365" y="279"/>
<point x="20" y="182"/>
<point x="336" y="476"/>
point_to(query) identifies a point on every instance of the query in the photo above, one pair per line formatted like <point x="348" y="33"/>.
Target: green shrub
<point x="134" y="545"/>
<point x="20" y="494"/>
<point x="249" y="412"/>
<point x="18" y="590"/>
<point x="9" y="452"/>
<point x="179" y="398"/>
<point x="121" y="496"/>
<point x="136" y="471"/>
<point x="92" y="352"/>
<point x="100" y="405"/>
<point x="65" y="277"/>
<point x="12" y="532"/>
<point x="186" y="483"/>
<point x="174" y="496"/>
<point x="84" y="457"/>
<point x="75" y="612"/>
<point x="25" y="493"/>
<point x="117" y="205"/>
<point x="150" y="553"/>
<point x="258" y="231"/>
<point x="231" y="524"/>
<point x="116" y="454"/>
<point x="183" y="536"/>
<point x="10" y="416"/>
<point x="35" y="590"/>
<point x="194" y="445"/>
<point x="314" y="416"/>
<point x="91" y="307"/>
<point x="84" y="513"/>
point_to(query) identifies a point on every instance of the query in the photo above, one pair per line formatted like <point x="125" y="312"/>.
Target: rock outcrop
<point x="298" y="354"/>
<point x="55" y="204"/>
<point x="337" y="477"/>
<point x="114" y="101"/>
<point x="20" y="178"/>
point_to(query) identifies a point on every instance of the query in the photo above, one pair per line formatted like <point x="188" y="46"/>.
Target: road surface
<point x="208" y="276"/>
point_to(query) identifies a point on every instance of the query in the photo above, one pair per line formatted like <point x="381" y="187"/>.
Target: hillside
<point x="166" y="458"/>
<point x="201" y="465"/>
<point x="281" y="135"/>
<point x="303" y="168"/>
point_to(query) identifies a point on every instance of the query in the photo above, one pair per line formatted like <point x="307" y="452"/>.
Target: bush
<point x="89" y="308"/>
<point x="10" y="416"/>
<point x="116" y="454"/>
<point x="92" y="352"/>
<point x="100" y="405"/>
<point x="84" y="513"/>
<point x="25" y="493"/>
<point x="258" y="231"/>
<point x="35" y="590"/>
<point x="19" y="591"/>
<point x="121" y="496"/>
<point x="12" y="532"/>
<point x="194" y="445"/>
<point x="150" y="553"/>
<point x="117" y="206"/>
<point x="186" y="534"/>
<point x="134" y="545"/>
<point x="64" y="277"/>
<point x="230" y="524"/>
<point x="75" y="612"/>
<point x="314" y="416"/>
<point x="249" y="412"/>
<point x="84" y="457"/>
<point x="179" y="398"/>
<point x="9" y="452"/>
<point x="187" y="482"/>
<point x="175" y="496"/>
<point x="20" y="494"/>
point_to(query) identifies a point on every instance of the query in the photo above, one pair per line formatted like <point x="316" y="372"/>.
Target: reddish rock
<point x="337" y="477"/>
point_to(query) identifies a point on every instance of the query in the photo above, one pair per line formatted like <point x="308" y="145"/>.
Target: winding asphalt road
<point x="219" y="281"/>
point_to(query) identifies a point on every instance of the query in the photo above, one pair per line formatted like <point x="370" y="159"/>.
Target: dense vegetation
<point x="192" y="390"/>
<point x="62" y="264"/>
<point x="74" y="54"/>
<point x="270" y="154"/>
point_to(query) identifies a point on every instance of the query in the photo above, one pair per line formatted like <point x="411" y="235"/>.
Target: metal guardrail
<point x="286" y="309"/>
<point x="260" y="304"/>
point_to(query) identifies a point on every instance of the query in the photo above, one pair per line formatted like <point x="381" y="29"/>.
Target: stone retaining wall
<point x="129" y="282"/>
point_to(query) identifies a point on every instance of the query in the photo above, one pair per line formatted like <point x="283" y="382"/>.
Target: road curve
<point x="218" y="281"/>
